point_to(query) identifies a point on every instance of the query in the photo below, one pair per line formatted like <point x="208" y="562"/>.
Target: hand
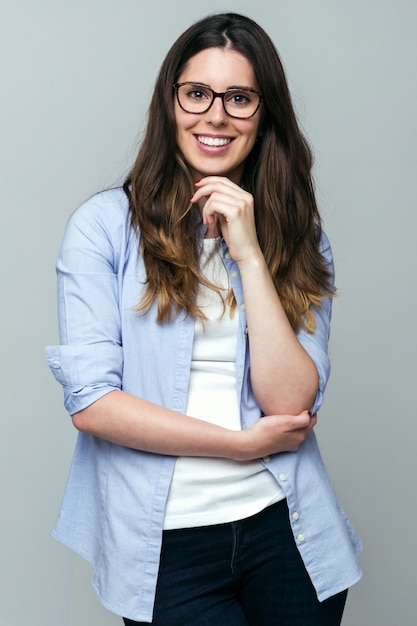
<point x="276" y="433"/>
<point x="232" y="209"/>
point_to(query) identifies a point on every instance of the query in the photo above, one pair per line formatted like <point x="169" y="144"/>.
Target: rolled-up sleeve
<point x="89" y="361"/>
<point x="316" y="343"/>
<point x="85" y="372"/>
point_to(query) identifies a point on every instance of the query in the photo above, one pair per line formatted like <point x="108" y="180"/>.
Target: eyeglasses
<point x="239" y="102"/>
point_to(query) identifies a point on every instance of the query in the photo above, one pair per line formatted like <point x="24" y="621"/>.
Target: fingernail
<point x="196" y="182"/>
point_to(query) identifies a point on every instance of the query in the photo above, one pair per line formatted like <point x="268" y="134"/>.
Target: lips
<point x="215" y="142"/>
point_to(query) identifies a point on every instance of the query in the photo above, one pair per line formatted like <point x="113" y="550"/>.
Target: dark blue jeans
<point x="245" y="573"/>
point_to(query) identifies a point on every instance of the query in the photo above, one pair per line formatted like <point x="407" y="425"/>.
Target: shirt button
<point x="295" y="516"/>
<point x="282" y="477"/>
<point x="266" y="459"/>
<point x="242" y="307"/>
<point x="234" y="274"/>
<point x="301" y="537"/>
<point x="227" y="255"/>
<point x="246" y="331"/>
<point x="55" y="365"/>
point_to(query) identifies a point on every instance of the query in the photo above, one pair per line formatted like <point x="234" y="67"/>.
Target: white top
<point x="208" y="491"/>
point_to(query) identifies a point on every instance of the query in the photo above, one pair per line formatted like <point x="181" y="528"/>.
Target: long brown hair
<point x="277" y="173"/>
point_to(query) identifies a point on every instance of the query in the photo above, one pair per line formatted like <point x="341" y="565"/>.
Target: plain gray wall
<point x="75" y="84"/>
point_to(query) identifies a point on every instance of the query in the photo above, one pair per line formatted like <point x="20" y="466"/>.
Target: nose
<point x="216" y="113"/>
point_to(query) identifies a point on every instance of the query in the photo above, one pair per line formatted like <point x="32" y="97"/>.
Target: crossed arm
<point x="283" y="376"/>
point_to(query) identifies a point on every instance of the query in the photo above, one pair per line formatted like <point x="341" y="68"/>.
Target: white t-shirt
<point x="207" y="491"/>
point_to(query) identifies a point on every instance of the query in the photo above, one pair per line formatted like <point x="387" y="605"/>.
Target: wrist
<point x="243" y="447"/>
<point x="253" y="261"/>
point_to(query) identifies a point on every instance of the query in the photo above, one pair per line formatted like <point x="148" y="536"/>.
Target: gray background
<point x="75" y="84"/>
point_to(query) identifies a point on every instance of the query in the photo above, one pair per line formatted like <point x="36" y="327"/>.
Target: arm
<point x="89" y="363"/>
<point x="283" y="375"/>
<point x="133" y="422"/>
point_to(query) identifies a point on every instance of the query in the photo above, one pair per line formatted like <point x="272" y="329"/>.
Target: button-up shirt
<point x="113" y="507"/>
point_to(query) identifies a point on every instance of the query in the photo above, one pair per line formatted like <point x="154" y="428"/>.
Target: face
<point x="220" y="69"/>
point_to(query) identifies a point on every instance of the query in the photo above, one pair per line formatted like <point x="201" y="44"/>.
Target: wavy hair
<point x="277" y="173"/>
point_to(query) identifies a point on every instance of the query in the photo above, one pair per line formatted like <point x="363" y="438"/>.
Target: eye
<point x="197" y="93"/>
<point x="239" y="98"/>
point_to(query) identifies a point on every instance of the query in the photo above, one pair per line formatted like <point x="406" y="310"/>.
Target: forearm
<point x="284" y="377"/>
<point x="133" y="422"/>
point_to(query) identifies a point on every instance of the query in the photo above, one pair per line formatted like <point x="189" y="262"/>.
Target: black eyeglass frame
<point x="218" y="94"/>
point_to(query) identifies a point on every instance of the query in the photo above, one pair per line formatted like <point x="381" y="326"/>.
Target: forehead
<point x="219" y="68"/>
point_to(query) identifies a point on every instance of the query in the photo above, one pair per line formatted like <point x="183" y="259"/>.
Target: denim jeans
<point x="244" y="573"/>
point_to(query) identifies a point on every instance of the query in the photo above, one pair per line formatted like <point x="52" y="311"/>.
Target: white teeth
<point x="213" y="141"/>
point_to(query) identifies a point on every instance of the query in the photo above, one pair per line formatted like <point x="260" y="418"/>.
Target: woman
<point x="194" y="310"/>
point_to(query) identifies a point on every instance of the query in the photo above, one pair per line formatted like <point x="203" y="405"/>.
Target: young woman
<point x="194" y="312"/>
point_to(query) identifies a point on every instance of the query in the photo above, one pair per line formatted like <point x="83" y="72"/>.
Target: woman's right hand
<point x="275" y="433"/>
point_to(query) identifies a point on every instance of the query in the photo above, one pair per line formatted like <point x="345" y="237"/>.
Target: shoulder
<point x="105" y="217"/>
<point x="109" y="208"/>
<point x="99" y="228"/>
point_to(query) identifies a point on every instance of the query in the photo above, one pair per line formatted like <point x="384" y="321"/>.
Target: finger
<point x="301" y="425"/>
<point x="222" y="203"/>
<point x="216" y="180"/>
<point x="209" y="190"/>
<point x="313" y="420"/>
<point x="226" y="210"/>
<point x="301" y="421"/>
<point x="210" y="185"/>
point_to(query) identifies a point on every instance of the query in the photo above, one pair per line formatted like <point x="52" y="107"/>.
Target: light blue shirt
<point x="113" y="508"/>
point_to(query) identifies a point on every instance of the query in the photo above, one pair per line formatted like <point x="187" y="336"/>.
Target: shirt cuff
<point x="86" y="372"/>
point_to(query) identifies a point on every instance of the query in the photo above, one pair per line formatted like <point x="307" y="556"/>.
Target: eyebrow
<point x="193" y="82"/>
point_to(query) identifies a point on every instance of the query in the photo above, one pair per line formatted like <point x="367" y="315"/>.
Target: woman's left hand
<point x="232" y="208"/>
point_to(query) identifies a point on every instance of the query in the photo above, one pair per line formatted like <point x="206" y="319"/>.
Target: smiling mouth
<point x="213" y="141"/>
